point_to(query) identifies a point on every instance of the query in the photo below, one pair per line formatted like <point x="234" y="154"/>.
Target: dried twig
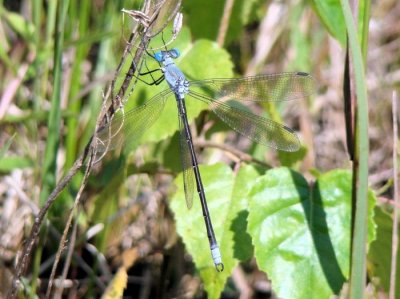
<point x="242" y="156"/>
<point x="395" y="238"/>
<point x="241" y="283"/>
<point x="26" y="252"/>
<point x="271" y="28"/>
<point x="67" y="226"/>
<point x="223" y="28"/>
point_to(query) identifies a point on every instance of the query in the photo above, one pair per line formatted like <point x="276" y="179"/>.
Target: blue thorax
<point x="173" y="75"/>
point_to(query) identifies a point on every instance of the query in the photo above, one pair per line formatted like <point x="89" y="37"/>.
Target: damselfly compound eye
<point x="159" y="56"/>
<point x="174" y="53"/>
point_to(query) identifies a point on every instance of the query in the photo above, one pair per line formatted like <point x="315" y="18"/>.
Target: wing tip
<point x="294" y="144"/>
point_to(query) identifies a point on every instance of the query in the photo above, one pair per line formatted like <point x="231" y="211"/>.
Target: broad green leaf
<point x="290" y="159"/>
<point x="238" y="213"/>
<point x="379" y="256"/>
<point x="206" y="60"/>
<point x="227" y="203"/>
<point x="301" y="234"/>
<point x="330" y="13"/>
<point x="169" y="156"/>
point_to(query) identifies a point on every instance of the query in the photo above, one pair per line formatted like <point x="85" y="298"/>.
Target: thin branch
<point x="395" y="238"/>
<point x="67" y="226"/>
<point x="242" y="156"/>
<point x="241" y="283"/>
<point x="223" y="27"/>
<point x="26" y="252"/>
<point x="271" y="28"/>
<point x="67" y="263"/>
<point x="388" y="202"/>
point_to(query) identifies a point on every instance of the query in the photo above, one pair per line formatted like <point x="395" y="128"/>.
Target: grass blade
<point x="54" y="121"/>
<point x="358" y="261"/>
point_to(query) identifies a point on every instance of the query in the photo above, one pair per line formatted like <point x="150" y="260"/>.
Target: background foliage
<point x="287" y="226"/>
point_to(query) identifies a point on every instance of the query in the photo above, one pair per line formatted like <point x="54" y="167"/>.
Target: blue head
<point x="162" y="55"/>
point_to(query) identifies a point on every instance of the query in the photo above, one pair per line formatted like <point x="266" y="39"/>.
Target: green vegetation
<point x="312" y="221"/>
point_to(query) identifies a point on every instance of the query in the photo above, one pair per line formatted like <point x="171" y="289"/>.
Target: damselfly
<point x="220" y="95"/>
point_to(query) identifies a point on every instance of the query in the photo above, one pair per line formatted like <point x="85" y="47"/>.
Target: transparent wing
<point x="127" y="128"/>
<point x="256" y="128"/>
<point x="186" y="160"/>
<point x="270" y="88"/>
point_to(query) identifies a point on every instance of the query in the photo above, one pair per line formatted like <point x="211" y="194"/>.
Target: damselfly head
<point x="162" y="55"/>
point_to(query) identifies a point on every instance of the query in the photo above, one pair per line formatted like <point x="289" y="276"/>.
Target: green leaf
<point x="227" y="203"/>
<point x="204" y="17"/>
<point x="49" y="167"/>
<point x="8" y="164"/>
<point x="289" y="159"/>
<point x="206" y="60"/>
<point x="330" y="13"/>
<point x="19" y="24"/>
<point x="301" y="234"/>
<point x="379" y="256"/>
<point x="361" y="149"/>
<point x="169" y="156"/>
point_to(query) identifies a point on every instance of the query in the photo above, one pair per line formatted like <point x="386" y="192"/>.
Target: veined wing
<point x="256" y="128"/>
<point x="127" y="128"/>
<point x="187" y="167"/>
<point x="270" y="88"/>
